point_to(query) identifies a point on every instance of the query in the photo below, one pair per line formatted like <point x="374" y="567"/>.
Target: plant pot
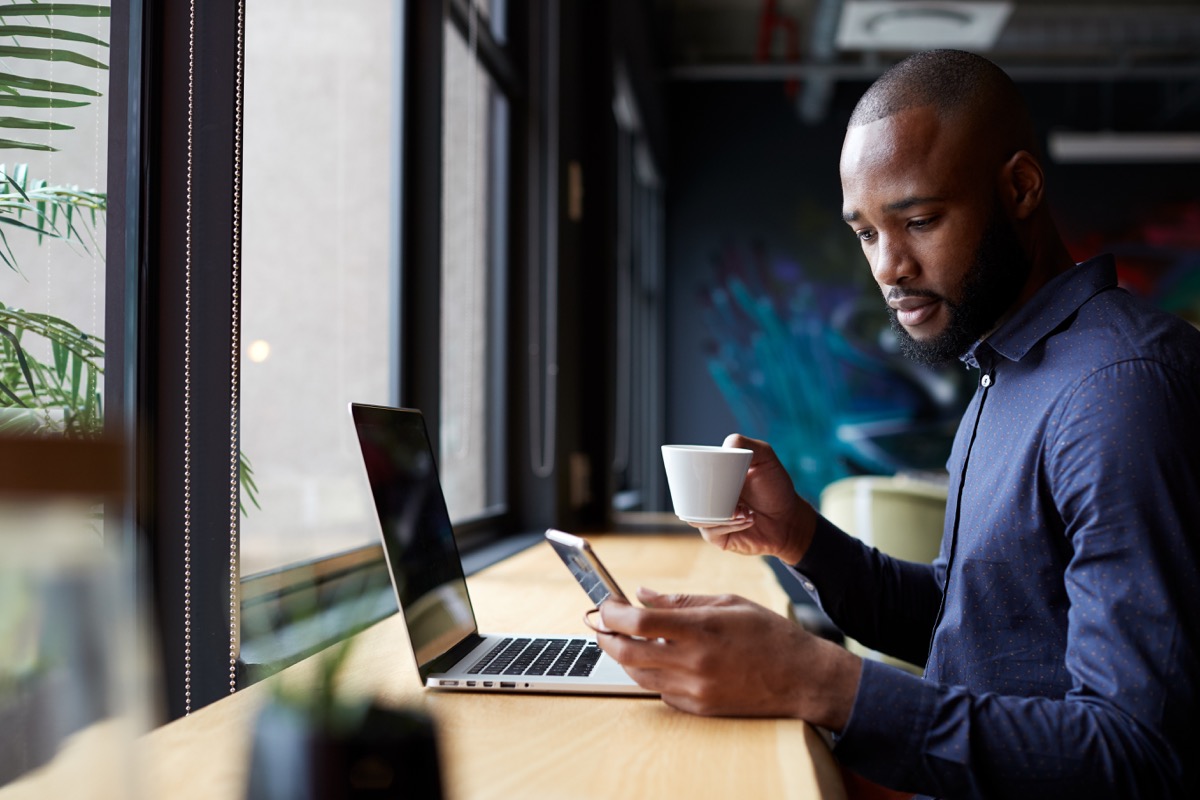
<point x="390" y="753"/>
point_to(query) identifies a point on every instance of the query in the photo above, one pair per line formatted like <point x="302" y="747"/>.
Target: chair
<point x="901" y="515"/>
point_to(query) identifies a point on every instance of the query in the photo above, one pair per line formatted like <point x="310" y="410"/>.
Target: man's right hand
<point x="771" y="519"/>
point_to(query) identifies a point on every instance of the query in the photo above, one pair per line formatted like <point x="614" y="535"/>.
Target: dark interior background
<point x="753" y="199"/>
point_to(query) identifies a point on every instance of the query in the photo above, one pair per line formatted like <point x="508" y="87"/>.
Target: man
<point x="1060" y="625"/>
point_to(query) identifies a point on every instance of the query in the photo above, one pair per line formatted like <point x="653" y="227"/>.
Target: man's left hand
<point x="728" y="656"/>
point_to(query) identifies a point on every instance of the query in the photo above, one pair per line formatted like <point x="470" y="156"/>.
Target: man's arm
<point x="885" y="603"/>
<point x="1123" y="471"/>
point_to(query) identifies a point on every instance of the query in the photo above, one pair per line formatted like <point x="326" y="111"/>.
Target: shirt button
<point x="986" y="381"/>
<point x="808" y="585"/>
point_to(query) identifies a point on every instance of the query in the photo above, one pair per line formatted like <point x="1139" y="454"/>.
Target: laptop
<point x="431" y="588"/>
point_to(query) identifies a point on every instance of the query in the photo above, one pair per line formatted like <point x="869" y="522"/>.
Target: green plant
<point x="37" y="92"/>
<point x="65" y="391"/>
<point x="65" y="394"/>
<point x="59" y="392"/>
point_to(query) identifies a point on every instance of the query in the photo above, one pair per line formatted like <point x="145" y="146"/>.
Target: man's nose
<point x="893" y="262"/>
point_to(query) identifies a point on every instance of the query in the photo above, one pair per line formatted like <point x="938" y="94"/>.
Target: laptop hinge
<point x="448" y="659"/>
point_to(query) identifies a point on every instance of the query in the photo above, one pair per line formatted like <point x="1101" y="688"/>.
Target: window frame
<point x="176" y="71"/>
<point x="174" y="137"/>
<point x="287" y="592"/>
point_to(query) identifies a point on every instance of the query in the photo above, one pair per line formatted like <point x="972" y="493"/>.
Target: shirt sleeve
<point x="887" y="604"/>
<point x="1123" y="471"/>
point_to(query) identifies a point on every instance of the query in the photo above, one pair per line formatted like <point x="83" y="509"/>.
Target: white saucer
<point x="707" y="519"/>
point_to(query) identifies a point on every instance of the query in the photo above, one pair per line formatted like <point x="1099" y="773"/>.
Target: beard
<point x="988" y="290"/>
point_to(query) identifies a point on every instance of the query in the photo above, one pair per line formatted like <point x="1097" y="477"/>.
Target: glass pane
<point x="637" y="463"/>
<point x="473" y="124"/>
<point x="317" y="287"/>
<point x="492" y="14"/>
<point x="54" y="166"/>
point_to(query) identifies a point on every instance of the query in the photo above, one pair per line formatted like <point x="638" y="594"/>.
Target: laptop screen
<point x="418" y="540"/>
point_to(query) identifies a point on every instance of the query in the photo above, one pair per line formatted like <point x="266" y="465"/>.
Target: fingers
<point x="742" y="518"/>
<point x="666" y="616"/>
<point x="598" y="625"/>
<point x="718" y="535"/>
<point x="652" y="599"/>
<point x="620" y="618"/>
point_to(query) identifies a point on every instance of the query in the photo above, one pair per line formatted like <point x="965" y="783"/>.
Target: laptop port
<point x="470" y="683"/>
<point x="487" y="684"/>
<point x="448" y="683"/>
<point x="507" y="685"/>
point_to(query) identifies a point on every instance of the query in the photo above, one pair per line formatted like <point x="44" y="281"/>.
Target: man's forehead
<point x="911" y="133"/>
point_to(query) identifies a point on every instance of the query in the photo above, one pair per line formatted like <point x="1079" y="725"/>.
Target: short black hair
<point x="953" y="82"/>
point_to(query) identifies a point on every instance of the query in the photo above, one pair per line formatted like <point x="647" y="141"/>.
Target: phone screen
<point x="581" y="560"/>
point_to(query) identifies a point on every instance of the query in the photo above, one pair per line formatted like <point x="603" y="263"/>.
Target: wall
<point x="754" y="194"/>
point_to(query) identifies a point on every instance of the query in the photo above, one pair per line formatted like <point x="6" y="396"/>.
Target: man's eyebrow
<point x="909" y="202"/>
<point x="899" y="205"/>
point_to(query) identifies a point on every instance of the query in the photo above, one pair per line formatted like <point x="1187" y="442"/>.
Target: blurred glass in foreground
<point x="75" y="686"/>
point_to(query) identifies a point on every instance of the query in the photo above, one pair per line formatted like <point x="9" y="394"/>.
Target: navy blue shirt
<point x="1060" y="624"/>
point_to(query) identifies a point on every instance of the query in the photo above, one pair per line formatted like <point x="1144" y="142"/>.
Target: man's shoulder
<point x="1115" y="325"/>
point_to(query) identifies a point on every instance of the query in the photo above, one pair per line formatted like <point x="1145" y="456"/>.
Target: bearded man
<point x="1060" y="625"/>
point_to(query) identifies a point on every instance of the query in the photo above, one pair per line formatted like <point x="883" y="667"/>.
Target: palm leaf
<point x="27" y="101"/>
<point x="47" y="204"/>
<point x="76" y="375"/>
<point x="54" y="329"/>
<point x="22" y="91"/>
<point x="60" y="359"/>
<point x="65" y="393"/>
<point x="34" y="124"/>
<point x="16" y="223"/>
<point x="13" y="144"/>
<point x="14" y="340"/>
<point x="11" y="394"/>
<point x="44" y="85"/>
<point x="6" y="254"/>
<point x="49" y="33"/>
<point x="246" y="479"/>
<point x="50" y="9"/>
<point x="46" y="54"/>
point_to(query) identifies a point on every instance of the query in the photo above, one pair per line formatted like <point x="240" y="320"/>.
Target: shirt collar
<point x="1049" y="308"/>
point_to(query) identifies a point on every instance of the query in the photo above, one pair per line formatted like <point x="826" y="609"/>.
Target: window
<point x="346" y="329"/>
<point x="474" y="247"/>
<point x="52" y="220"/>
<point x="322" y="129"/>
<point x="318" y="279"/>
<point x="638" y="384"/>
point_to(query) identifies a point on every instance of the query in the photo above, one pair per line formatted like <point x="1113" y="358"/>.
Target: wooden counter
<point x="518" y="746"/>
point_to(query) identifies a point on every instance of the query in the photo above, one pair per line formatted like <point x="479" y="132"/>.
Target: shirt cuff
<point x="884" y="737"/>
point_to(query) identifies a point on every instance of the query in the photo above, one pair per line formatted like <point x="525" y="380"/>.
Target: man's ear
<point x="1022" y="184"/>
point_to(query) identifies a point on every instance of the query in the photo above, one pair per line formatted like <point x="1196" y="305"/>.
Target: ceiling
<point x="1058" y="41"/>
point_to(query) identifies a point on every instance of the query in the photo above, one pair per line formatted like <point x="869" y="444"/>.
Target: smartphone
<point x="581" y="560"/>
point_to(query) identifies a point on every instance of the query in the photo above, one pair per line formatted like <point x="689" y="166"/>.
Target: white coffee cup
<point x="705" y="481"/>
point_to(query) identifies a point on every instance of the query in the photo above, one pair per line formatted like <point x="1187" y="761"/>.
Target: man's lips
<point x="912" y="310"/>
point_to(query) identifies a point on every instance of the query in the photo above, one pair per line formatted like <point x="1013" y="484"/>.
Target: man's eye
<point x="865" y="236"/>
<point x="921" y="223"/>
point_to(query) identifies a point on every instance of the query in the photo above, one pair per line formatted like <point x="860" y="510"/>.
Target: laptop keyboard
<point x="559" y="657"/>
